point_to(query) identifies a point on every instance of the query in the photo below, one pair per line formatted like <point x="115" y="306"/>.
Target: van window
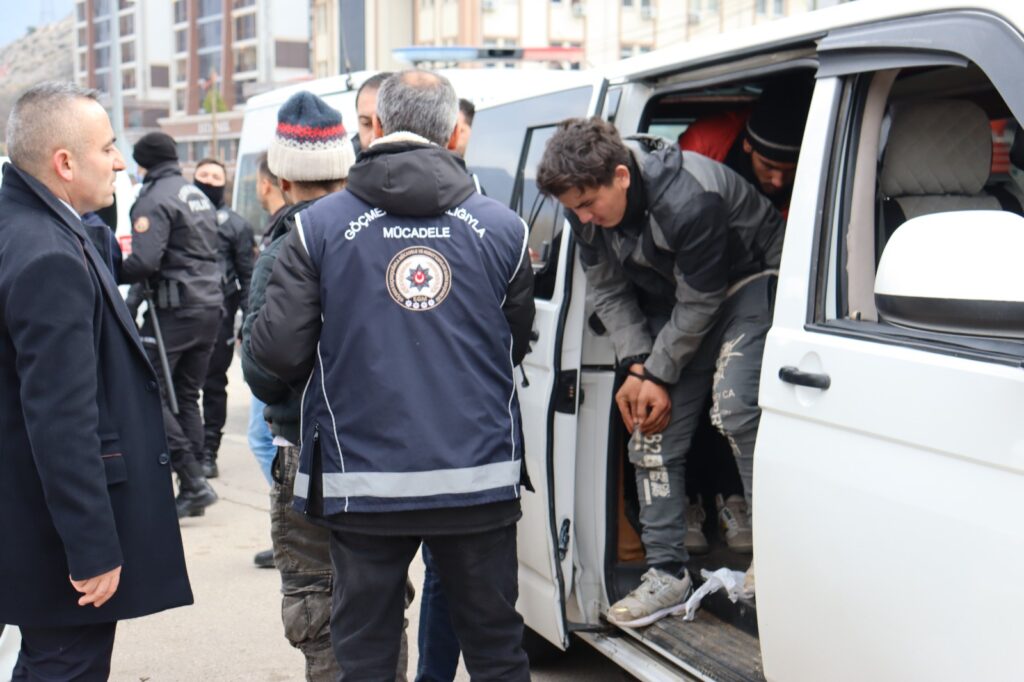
<point x="247" y="204"/>
<point x="499" y="135"/>
<point x="543" y="214"/>
<point x="910" y="142"/>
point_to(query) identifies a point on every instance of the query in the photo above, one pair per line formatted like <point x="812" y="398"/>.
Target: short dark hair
<point x="263" y="170"/>
<point x="583" y="153"/>
<point x="468" y="111"/>
<point x="208" y="160"/>
<point x="325" y="186"/>
<point x="373" y="82"/>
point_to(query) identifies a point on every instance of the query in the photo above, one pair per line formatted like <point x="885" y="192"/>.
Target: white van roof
<point x="794" y="28"/>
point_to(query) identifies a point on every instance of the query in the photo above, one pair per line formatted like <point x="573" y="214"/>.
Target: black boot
<point x="209" y="465"/>
<point x="194" y="494"/>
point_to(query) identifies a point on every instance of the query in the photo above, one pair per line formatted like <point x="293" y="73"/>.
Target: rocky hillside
<point x="44" y="54"/>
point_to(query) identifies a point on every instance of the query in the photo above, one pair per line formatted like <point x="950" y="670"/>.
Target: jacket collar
<point x="162" y="170"/>
<point x="17" y="180"/>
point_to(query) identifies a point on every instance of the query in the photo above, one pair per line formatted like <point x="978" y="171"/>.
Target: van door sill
<point x="634" y="657"/>
<point x="707" y="648"/>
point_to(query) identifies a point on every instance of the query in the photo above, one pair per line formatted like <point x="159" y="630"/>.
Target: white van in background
<point x="479" y="85"/>
<point x="889" y="469"/>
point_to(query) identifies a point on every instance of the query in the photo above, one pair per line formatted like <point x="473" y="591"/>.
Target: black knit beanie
<point x="776" y="126"/>
<point x="153" y="149"/>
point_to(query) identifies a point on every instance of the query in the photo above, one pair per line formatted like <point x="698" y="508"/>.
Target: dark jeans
<point x="302" y="556"/>
<point x="437" y="642"/>
<point x="68" y="654"/>
<point x="215" y="388"/>
<point x="479" y="573"/>
<point x="188" y="335"/>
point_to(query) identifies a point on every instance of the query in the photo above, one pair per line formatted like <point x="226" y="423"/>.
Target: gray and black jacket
<point x="174" y="237"/>
<point x="693" y="230"/>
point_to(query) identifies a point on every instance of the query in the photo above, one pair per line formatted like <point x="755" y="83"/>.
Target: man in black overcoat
<point x="88" y="528"/>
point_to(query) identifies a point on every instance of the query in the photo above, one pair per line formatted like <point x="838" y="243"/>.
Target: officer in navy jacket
<point x="403" y="304"/>
<point x="85" y="485"/>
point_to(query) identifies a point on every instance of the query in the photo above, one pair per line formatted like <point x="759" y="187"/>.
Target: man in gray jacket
<point x="679" y="253"/>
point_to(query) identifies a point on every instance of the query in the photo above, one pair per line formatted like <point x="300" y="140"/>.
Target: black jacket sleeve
<point x="262" y="383"/>
<point x="151" y="230"/>
<point x="286" y="331"/>
<point x="243" y="249"/>
<point x="519" y="308"/>
<point x="51" y="323"/>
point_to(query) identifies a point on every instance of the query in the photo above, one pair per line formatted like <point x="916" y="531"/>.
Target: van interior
<point x="918" y="140"/>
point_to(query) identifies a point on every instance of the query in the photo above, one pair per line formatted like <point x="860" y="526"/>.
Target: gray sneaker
<point x="658" y="595"/>
<point x="695" y="540"/>
<point x="735" y="520"/>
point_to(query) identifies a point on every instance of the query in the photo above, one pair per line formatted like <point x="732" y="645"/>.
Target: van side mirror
<point x="958" y="272"/>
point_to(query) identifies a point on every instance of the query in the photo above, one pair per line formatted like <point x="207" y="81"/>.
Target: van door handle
<point x="792" y="375"/>
<point x="534" y="335"/>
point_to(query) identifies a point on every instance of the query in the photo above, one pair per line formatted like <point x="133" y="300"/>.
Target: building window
<point x="83" y="61"/>
<point x="180" y="71"/>
<point x="201" y="149"/>
<point x="226" y="149"/>
<point x="712" y="5"/>
<point x="238" y="4"/>
<point x="627" y="3"/>
<point x="183" y="149"/>
<point x="209" y="62"/>
<point x="180" y="11"/>
<point x="179" y="104"/>
<point x="245" y="27"/>
<point x="100" y="8"/>
<point x="210" y="8"/>
<point x="159" y="76"/>
<point x="210" y="34"/>
<point x="181" y="40"/>
<point x="128" y="52"/>
<point x="291" y="55"/>
<point x="245" y="59"/>
<point x="779" y="8"/>
<point x="239" y="89"/>
<point x="102" y="55"/>
<point x="625" y="52"/>
<point x="128" y="79"/>
<point x="103" y="82"/>
<point x="101" y="31"/>
<point x="80" y="11"/>
<point x="83" y="36"/>
<point x="127" y="25"/>
<point x="761" y="6"/>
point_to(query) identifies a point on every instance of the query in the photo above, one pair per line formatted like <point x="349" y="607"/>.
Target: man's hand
<point x="626" y="397"/>
<point x="98" y="590"/>
<point x="654" y="408"/>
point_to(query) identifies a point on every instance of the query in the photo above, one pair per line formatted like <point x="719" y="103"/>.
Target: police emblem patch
<point x="419" y="278"/>
<point x="141" y="224"/>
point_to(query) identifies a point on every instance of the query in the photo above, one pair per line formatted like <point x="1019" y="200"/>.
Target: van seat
<point x="937" y="159"/>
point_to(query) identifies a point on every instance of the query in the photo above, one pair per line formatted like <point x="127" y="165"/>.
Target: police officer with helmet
<point x="174" y="257"/>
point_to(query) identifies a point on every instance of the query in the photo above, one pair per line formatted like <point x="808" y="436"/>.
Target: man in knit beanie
<point x="310" y="155"/>
<point x="762" y="143"/>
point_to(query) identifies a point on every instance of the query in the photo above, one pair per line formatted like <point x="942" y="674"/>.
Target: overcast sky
<point x="18" y="15"/>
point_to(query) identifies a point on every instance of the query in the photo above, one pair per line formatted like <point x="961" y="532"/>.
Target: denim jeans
<point x="261" y="441"/>
<point x="438" y="645"/>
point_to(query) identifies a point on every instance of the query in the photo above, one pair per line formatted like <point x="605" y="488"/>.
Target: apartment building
<point x="353" y="35"/>
<point x="145" y="51"/>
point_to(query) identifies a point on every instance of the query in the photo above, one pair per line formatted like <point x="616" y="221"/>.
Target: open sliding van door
<point x="507" y="145"/>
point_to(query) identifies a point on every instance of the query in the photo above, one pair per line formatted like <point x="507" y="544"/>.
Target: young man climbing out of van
<point x="679" y="254"/>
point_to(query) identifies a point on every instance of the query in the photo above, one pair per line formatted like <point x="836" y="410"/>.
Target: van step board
<point x="708" y="647"/>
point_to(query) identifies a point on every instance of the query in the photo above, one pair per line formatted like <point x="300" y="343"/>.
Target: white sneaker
<point x="695" y="540"/>
<point x="735" y="519"/>
<point x="658" y="595"/>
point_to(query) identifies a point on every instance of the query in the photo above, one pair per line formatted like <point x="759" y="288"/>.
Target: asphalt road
<point x="234" y="631"/>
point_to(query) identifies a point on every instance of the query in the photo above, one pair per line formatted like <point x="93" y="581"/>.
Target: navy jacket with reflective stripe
<point x="411" y="403"/>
